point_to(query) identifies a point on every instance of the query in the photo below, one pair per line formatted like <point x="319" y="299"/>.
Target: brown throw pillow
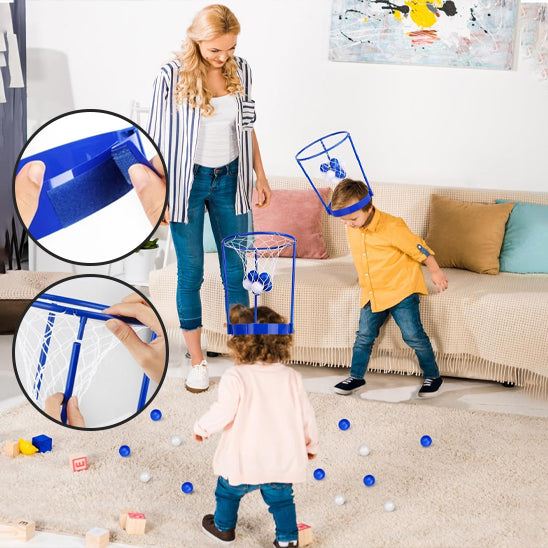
<point x="467" y="235"/>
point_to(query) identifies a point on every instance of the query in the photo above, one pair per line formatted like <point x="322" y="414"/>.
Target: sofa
<point x="490" y="327"/>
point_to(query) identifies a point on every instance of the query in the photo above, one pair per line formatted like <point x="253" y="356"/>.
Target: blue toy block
<point x="42" y="443"/>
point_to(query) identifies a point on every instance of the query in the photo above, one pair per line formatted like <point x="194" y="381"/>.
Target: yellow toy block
<point x="26" y="447"/>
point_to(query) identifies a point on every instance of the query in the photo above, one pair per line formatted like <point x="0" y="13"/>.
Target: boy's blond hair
<point x="348" y="192"/>
<point x="258" y="348"/>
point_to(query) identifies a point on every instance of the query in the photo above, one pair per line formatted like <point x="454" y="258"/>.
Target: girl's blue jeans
<point x="214" y="189"/>
<point x="278" y="497"/>
<point x="407" y="316"/>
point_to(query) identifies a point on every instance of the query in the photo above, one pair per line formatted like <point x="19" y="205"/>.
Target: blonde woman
<point x="202" y="119"/>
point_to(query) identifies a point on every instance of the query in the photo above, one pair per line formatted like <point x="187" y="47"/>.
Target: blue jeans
<point x="278" y="496"/>
<point x="214" y="189"/>
<point x="407" y="316"/>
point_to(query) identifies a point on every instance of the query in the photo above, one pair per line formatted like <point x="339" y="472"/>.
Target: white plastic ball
<point x="389" y="506"/>
<point x="364" y="450"/>
<point x="176" y="441"/>
<point x="339" y="500"/>
<point x="144" y="476"/>
<point x="257" y="288"/>
<point x="247" y="284"/>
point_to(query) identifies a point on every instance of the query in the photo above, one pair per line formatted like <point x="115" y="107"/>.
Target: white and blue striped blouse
<point x="174" y="127"/>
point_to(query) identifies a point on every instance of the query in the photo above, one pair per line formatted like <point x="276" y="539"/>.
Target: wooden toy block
<point x="43" y="443"/>
<point x="123" y="516"/>
<point x="11" y="448"/>
<point x="78" y="463"/>
<point x="22" y="530"/>
<point x="305" y="534"/>
<point x="135" y="523"/>
<point x="97" y="538"/>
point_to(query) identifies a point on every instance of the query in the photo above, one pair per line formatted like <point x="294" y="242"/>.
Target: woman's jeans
<point x="278" y="497"/>
<point x="407" y="316"/>
<point x="214" y="188"/>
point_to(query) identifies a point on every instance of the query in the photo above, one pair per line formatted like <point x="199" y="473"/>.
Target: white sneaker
<point x="198" y="378"/>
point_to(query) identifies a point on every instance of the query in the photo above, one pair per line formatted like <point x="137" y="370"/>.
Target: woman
<point x="202" y="120"/>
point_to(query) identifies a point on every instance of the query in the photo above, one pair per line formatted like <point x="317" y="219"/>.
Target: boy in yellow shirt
<point x="387" y="256"/>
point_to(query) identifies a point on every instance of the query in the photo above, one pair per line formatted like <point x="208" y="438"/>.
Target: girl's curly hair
<point x="258" y="348"/>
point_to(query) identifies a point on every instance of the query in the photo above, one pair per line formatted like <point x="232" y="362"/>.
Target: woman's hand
<point x="264" y="192"/>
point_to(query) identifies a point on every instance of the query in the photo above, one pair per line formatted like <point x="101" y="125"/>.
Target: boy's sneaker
<point x="291" y="543"/>
<point x="210" y="529"/>
<point x="348" y="386"/>
<point x="198" y="378"/>
<point x="430" y="387"/>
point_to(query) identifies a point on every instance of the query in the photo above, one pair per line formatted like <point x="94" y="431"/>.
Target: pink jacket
<point x="268" y="425"/>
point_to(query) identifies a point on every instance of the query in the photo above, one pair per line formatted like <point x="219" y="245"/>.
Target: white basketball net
<point x="259" y="254"/>
<point x="44" y="347"/>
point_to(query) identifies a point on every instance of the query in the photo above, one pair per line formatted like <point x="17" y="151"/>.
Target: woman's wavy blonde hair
<point x="209" y="23"/>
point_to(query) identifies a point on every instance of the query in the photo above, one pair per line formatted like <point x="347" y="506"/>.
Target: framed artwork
<point x="459" y="33"/>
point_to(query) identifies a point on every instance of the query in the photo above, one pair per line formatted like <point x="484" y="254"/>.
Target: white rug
<point x="481" y="483"/>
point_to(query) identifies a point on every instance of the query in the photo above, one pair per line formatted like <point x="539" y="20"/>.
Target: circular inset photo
<point x="90" y="187"/>
<point x="90" y="352"/>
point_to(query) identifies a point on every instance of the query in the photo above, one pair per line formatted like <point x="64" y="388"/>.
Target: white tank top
<point x="217" y="140"/>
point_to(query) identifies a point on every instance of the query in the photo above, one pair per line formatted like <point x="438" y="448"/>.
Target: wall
<point x="411" y="124"/>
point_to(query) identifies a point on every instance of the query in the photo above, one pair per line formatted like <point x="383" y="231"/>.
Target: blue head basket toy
<point x="258" y="254"/>
<point x="83" y="177"/>
<point x="60" y="344"/>
<point x="333" y="158"/>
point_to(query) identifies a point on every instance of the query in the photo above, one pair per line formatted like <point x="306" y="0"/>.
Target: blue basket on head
<point x="83" y="177"/>
<point x="258" y="254"/>
<point x="333" y="158"/>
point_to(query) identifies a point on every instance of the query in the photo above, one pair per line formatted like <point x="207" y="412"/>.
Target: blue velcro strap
<point x="351" y="208"/>
<point x="259" y="328"/>
<point x="83" y="177"/>
<point x="423" y="250"/>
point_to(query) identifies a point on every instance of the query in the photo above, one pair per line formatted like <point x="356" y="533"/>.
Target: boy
<point x="387" y="256"/>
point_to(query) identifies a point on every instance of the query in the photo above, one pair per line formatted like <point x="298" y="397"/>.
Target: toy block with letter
<point x="78" y="463"/>
<point x="11" y="448"/>
<point x="42" y="443"/>
<point x="135" y="523"/>
<point x="305" y="534"/>
<point x="123" y="516"/>
<point x="22" y="530"/>
<point x="97" y="538"/>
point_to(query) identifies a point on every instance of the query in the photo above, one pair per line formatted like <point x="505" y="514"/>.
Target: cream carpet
<point x="481" y="483"/>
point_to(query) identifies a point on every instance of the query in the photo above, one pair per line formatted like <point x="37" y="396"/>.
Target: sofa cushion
<point x="526" y="239"/>
<point x="466" y="234"/>
<point x="298" y="213"/>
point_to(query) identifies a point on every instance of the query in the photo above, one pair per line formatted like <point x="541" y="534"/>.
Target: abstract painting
<point x="459" y="33"/>
<point x="534" y="36"/>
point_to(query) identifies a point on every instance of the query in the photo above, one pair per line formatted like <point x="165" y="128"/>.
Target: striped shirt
<point x="174" y="127"/>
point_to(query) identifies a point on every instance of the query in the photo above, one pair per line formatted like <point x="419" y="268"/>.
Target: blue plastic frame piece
<point x="302" y="157"/>
<point x="83" y="177"/>
<point x="257" y="328"/>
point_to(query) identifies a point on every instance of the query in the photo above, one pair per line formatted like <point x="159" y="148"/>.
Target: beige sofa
<point x="490" y="327"/>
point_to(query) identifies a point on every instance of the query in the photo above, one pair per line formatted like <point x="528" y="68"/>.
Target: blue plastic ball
<point x="369" y="480"/>
<point x="155" y="414"/>
<point x="324" y="168"/>
<point x="124" y="450"/>
<point x="253" y="276"/>
<point x="426" y="441"/>
<point x="187" y="487"/>
<point x="334" y="164"/>
<point x="319" y="474"/>
<point x="344" y="424"/>
<point x="264" y="278"/>
<point x="340" y="173"/>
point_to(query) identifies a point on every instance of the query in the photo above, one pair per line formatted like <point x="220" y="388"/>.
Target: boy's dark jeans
<point x="407" y="316"/>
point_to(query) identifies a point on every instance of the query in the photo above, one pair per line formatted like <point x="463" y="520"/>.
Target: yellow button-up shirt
<point x="387" y="257"/>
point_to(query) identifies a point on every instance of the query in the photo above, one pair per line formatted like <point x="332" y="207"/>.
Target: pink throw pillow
<point x="298" y="213"/>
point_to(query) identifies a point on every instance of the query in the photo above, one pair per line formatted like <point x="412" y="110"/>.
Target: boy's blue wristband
<point x="83" y="177"/>
<point x="423" y="250"/>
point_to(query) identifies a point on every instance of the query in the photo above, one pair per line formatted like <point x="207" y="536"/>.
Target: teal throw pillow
<point x="525" y="245"/>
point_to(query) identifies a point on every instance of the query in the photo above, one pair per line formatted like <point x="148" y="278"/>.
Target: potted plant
<point x="138" y="265"/>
